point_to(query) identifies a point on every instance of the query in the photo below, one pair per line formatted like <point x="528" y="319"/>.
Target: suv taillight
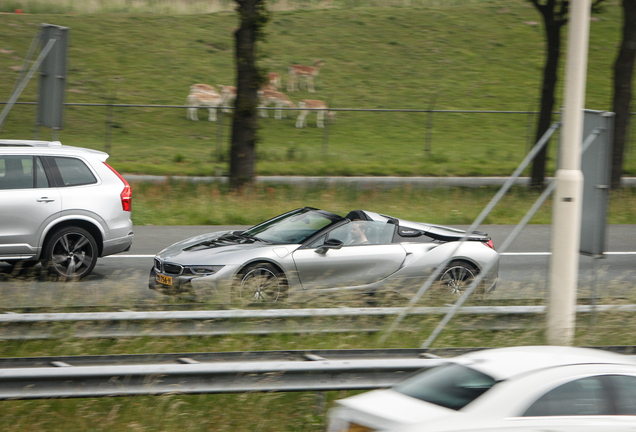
<point x="490" y="244"/>
<point x="126" y="194"/>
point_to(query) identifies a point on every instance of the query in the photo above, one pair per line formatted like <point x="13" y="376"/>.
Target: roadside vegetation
<point x="185" y="203"/>
<point x="454" y="55"/>
<point x="267" y="412"/>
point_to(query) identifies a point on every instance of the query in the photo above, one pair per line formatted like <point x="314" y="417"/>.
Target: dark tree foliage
<point x="555" y="16"/>
<point x="253" y="17"/>
<point x="623" y="73"/>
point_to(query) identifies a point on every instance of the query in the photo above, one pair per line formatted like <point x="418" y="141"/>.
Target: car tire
<point x="457" y="277"/>
<point x="259" y="283"/>
<point x="71" y="253"/>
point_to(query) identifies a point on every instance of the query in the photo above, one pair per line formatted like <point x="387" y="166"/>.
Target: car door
<point x="353" y="264"/>
<point x="27" y="205"/>
<point x="76" y="184"/>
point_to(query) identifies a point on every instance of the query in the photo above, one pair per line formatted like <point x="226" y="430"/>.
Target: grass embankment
<point x="482" y="55"/>
<point x="179" y="203"/>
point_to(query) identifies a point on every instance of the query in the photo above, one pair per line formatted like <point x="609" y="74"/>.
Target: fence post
<point x="219" y="134"/>
<point x="109" y="122"/>
<point x="530" y="126"/>
<point x="428" y="143"/>
<point x="325" y="135"/>
<point x="628" y="134"/>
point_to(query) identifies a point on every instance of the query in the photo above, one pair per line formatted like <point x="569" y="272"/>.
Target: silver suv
<point x="62" y="206"/>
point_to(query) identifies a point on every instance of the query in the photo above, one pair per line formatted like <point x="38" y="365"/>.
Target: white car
<point x="536" y="388"/>
<point x="61" y="205"/>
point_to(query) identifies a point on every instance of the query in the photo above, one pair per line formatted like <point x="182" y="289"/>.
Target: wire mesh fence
<point x="357" y="141"/>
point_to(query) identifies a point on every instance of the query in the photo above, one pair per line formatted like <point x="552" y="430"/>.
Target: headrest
<point x="358" y="215"/>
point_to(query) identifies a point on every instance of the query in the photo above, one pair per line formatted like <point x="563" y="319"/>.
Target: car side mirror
<point x="329" y="244"/>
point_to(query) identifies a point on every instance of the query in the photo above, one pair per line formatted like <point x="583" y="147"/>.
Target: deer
<point x="205" y="96"/>
<point x="321" y="109"/>
<point x="203" y="88"/>
<point x="306" y="72"/>
<point x="274" y="80"/>
<point x="269" y="97"/>
<point x="228" y="94"/>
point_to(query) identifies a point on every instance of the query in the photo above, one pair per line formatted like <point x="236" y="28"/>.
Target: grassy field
<point x="191" y="7"/>
<point x="399" y="54"/>
<point x="479" y="55"/>
<point x="179" y="203"/>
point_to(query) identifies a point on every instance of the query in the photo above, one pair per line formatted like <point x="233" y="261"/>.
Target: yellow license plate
<point x="166" y="280"/>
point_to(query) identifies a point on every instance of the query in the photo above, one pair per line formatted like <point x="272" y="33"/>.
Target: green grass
<point x="183" y="203"/>
<point x="263" y="412"/>
<point x="191" y="7"/>
<point x="481" y="55"/>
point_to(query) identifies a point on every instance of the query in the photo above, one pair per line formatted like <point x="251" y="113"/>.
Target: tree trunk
<point x="623" y="72"/>
<point x="245" y="119"/>
<point x="553" y="39"/>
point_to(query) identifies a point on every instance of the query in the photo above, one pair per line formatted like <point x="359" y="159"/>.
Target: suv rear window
<point x="452" y="386"/>
<point x="70" y="171"/>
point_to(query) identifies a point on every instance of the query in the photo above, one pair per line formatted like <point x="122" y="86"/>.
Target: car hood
<point x="385" y="409"/>
<point x="215" y="247"/>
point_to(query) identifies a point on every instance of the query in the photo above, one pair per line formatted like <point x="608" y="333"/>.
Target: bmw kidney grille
<point x="168" y="268"/>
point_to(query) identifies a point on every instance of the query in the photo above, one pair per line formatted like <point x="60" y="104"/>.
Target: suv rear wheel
<point x="71" y="253"/>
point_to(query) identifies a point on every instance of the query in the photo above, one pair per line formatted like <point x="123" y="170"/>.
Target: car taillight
<point x="490" y="244"/>
<point x="126" y="194"/>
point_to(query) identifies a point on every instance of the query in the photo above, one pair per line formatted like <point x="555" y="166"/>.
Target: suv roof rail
<point x="28" y="143"/>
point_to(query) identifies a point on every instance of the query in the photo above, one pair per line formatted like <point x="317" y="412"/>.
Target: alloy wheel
<point x="72" y="254"/>
<point x="457" y="278"/>
<point x="261" y="285"/>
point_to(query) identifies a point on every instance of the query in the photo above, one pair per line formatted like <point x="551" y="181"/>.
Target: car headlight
<point x="204" y="270"/>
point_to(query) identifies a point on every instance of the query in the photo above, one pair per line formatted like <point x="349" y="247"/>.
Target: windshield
<point x="452" y="386"/>
<point x="294" y="227"/>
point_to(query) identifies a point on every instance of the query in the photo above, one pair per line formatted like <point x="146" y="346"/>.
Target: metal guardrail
<point x="24" y="326"/>
<point x="231" y="357"/>
<point x="195" y="373"/>
<point x="193" y="378"/>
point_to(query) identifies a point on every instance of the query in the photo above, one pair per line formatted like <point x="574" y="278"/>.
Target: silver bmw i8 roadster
<point x="315" y="251"/>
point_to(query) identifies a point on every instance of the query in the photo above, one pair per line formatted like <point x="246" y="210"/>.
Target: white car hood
<point x="384" y="409"/>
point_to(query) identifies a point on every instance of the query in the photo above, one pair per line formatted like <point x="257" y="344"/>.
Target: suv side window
<point x="69" y="171"/>
<point x="22" y="172"/>
<point x="41" y="181"/>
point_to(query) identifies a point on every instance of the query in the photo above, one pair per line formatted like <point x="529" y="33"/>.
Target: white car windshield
<point x="293" y="227"/>
<point x="452" y="385"/>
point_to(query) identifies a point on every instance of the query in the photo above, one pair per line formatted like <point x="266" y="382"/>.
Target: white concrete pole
<point x="568" y="196"/>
